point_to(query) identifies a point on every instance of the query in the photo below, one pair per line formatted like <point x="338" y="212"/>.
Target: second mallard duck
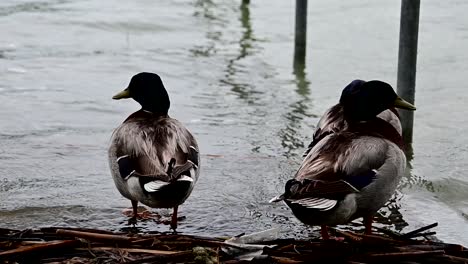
<point x="355" y="161"/>
<point x="153" y="158"/>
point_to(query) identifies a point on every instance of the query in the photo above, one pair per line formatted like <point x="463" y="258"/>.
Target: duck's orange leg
<point x="368" y="224"/>
<point x="324" y="232"/>
<point x="174" y="219"/>
<point x="133" y="219"/>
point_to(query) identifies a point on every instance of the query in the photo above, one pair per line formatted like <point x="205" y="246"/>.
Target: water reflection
<point x="243" y="89"/>
<point x="31" y="7"/>
<point x="390" y="214"/>
<point x="410" y="180"/>
<point x="236" y="75"/>
<point x="204" y="9"/>
<point x="291" y="139"/>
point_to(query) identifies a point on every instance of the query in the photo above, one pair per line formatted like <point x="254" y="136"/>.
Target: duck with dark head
<point x="153" y="158"/>
<point x="355" y="160"/>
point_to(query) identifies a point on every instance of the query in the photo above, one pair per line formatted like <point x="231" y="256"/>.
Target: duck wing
<point x="339" y="164"/>
<point x="159" y="152"/>
<point x="331" y="122"/>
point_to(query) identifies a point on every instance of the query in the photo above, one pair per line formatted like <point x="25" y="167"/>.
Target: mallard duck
<point x="355" y="161"/>
<point x="153" y="158"/>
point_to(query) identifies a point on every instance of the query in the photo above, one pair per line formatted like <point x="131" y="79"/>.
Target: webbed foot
<point x="132" y="221"/>
<point x="141" y="213"/>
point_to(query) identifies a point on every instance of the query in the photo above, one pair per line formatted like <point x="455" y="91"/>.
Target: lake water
<point x="229" y="72"/>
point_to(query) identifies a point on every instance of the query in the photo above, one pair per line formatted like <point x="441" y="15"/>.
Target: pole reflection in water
<point x="204" y="10"/>
<point x="243" y="89"/>
<point x="291" y="139"/>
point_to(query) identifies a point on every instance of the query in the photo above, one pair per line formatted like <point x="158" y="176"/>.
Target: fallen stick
<point x="282" y="260"/>
<point x="423" y="234"/>
<point x="172" y="257"/>
<point x="38" y="247"/>
<point x="20" y="239"/>
<point x="400" y="255"/>
<point x="417" y="231"/>
<point x="413" y="248"/>
<point x="89" y="230"/>
<point x="448" y="248"/>
<point x="379" y="240"/>
<point x="203" y="241"/>
<point x="132" y="250"/>
<point x="172" y="236"/>
<point x="388" y="232"/>
<point x="94" y="236"/>
<point x="144" y="240"/>
<point x="452" y="259"/>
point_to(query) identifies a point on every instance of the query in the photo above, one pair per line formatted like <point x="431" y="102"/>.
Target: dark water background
<point x="228" y="70"/>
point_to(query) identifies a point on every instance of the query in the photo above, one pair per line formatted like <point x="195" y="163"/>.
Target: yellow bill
<point x="122" y="95"/>
<point x="400" y="103"/>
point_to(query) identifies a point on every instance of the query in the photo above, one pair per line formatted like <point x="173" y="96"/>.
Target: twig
<point x="388" y="232"/>
<point x="20" y="238"/>
<point x="452" y="259"/>
<point x="417" y="231"/>
<point x="38" y="247"/>
<point x="90" y="230"/>
<point x="132" y="250"/>
<point x="379" y="240"/>
<point x="401" y="255"/>
<point x="173" y="257"/>
<point x="94" y="236"/>
<point x="282" y="260"/>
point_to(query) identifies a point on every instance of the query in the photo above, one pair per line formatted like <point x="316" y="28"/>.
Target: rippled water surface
<point x="228" y="69"/>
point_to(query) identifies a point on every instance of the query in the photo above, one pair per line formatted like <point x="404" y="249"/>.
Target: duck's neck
<point x="157" y="105"/>
<point x="158" y="109"/>
<point x="146" y="114"/>
<point x="154" y="113"/>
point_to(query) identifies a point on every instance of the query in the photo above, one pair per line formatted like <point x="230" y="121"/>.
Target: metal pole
<point x="300" y="37"/>
<point x="407" y="56"/>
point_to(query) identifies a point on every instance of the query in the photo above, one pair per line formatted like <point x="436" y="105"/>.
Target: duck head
<point x="363" y="100"/>
<point x="148" y="90"/>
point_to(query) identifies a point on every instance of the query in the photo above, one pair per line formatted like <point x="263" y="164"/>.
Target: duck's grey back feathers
<point x="154" y="144"/>
<point x="163" y="155"/>
<point x="342" y="174"/>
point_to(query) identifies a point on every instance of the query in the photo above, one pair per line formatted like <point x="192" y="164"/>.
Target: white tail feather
<point x="322" y="204"/>
<point x="185" y="178"/>
<point x="276" y="199"/>
<point x="154" y="186"/>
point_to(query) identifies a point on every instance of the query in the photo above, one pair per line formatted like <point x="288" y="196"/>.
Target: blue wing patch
<point x="125" y="166"/>
<point x="361" y="180"/>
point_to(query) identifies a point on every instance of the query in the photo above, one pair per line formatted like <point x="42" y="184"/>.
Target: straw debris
<point x="74" y="245"/>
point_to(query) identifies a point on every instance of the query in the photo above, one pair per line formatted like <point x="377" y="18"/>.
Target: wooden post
<point x="407" y="56"/>
<point x="300" y="37"/>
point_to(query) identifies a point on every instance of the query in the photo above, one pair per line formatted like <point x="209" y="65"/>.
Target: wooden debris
<point x="416" y="232"/>
<point x="37" y="247"/>
<point x="73" y="245"/>
<point x="93" y="236"/>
